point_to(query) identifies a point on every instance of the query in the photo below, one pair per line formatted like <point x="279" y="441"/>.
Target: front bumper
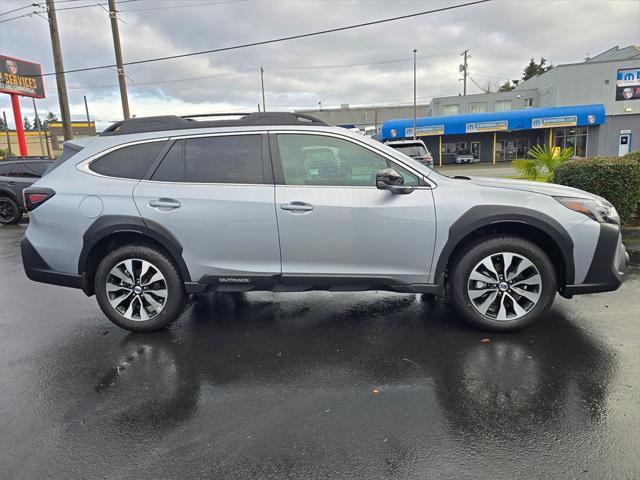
<point x="608" y="266"/>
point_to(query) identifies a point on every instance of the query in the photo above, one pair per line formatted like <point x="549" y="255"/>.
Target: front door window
<point x="330" y="161"/>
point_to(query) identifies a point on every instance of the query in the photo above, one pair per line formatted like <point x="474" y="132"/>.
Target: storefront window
<point x="507" y="150"/>
<point x="574" y="137"/>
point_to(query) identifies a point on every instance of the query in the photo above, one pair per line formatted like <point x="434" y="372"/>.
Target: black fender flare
<point x="483" y="216"/>
<point x="107" y="225"/>
<point x="7" y="192"/>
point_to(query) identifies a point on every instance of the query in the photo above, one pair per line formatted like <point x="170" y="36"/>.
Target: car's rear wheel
<point x="503" y="283"/>
<point x="139" y="288"/>
<point x="10" y="213"/>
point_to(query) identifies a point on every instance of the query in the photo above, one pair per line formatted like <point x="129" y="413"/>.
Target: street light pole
<point x="264" y="105"/>
<point x="415" y="109"/>
<point x="86" y="109"/>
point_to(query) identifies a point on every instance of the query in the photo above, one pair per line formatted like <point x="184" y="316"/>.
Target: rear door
<point x="337" y="226"/>
<point x="215" y="194"/>
<point x="23" y="175"/>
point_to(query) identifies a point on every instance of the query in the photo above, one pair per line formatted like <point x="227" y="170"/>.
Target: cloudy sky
<point x="370" y="65"/>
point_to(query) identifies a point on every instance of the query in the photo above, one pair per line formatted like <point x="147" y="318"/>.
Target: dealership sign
<point x="20" y="77"/>
<point x="564" y="121"/>
<point x="495" y="126"/>
<point x="425" y="131"/>
<point x="628" y="84"/>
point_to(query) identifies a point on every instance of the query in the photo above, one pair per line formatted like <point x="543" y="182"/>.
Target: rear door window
<point x="5" y="169"/>
<point x="224" y="159"/>
<point x="128" y="162"/>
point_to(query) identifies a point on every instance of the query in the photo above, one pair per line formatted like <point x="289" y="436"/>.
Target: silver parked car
<point x="415" y="149"/>
<point x="156" y="209"/>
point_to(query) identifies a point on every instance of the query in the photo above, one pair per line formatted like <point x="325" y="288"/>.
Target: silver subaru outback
<point x="157" y="209"/>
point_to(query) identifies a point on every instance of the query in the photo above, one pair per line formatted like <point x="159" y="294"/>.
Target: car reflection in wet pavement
<point x="315" y="385"/>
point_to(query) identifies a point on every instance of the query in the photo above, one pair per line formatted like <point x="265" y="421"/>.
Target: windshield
<point x="412" y="150"/>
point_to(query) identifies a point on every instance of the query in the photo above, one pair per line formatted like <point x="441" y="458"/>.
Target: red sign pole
<point x="17" y="116"/>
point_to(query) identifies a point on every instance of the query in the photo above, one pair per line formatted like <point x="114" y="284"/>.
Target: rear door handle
<point x="11" y="184"/>
<point x="165" y="203"/>
<point x="297" y="207"/>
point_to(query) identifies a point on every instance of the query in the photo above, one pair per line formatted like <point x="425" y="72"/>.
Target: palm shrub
<point x="543" y="163"/>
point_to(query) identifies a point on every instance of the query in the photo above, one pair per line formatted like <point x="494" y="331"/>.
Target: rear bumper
<point x="608" y="266"/>
<point x="38" y="270"/>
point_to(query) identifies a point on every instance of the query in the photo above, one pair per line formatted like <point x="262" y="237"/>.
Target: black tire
<point x="463" y="265"/>
<point x="176" y="296"/>
<point x="10" y="212"/>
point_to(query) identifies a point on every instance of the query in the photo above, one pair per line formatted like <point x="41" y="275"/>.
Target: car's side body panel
<point x="356" y="231"/>
<point x="353" y="238"/>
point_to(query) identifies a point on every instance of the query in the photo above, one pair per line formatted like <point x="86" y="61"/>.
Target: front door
<point x="623" y="145"/>
<point x="335" y="224"/>
<point x="215" y="196"/>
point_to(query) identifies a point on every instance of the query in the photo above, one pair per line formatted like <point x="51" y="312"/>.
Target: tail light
<point x="34" y="197"/>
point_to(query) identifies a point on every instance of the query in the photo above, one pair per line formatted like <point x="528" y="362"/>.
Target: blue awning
<point x="527" y="119"/>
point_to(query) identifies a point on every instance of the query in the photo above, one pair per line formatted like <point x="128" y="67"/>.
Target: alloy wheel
<point x="7" y="211"/>
<point x="504" y="286"/>
<point x="136" y="289"/>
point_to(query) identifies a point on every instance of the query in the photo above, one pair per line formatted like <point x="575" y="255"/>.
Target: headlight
<point x="599" y="210"/>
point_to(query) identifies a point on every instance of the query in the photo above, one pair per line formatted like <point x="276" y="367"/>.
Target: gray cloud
<point x="501" y="35"/>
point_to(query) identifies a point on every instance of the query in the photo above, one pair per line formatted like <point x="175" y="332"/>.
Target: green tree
<point x="534" y="69"/>
<point x="508" y="85"/>
<point x="26" y="124"/>
<point x="51" y="117"/>
<point x="544" y="162"/>
<point x="3" y="125"/>
<point x="36" y="121"/>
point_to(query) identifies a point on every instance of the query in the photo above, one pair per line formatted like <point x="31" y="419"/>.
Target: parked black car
<point x="15" y="176"/>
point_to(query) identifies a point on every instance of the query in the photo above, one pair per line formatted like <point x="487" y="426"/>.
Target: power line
<point x="19" y="16"/>
<point x="168" y="7"/>
<point x="18" y="9"/>
<point x="281" y="39"/>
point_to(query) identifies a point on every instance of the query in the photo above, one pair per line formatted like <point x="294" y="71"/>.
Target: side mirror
<point x="389" y="179"/>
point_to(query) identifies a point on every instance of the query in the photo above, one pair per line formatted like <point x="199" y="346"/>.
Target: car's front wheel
<point x="503" y="283"/>
<point x="139" y="288"/>
<point x="10" y="213"/>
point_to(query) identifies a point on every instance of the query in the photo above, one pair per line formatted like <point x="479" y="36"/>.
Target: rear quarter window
<point x="128" y="162"/>
<point x="28" y="170"/>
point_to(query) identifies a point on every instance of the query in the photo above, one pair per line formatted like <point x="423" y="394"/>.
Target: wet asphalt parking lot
<point x="314" y="385"/>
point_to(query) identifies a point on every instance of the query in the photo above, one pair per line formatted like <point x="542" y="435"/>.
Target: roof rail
<point x="174" y="122"/>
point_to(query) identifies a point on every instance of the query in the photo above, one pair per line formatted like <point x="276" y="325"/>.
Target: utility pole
<point x="415" y="109"/>
<point x="35" y="111"/>
<point x="63" y="99"/>
<point x="122" y="81"/>
<point x="86" y="108"/>
<point x="264" y="105"/>
<point x="464" y="68"/>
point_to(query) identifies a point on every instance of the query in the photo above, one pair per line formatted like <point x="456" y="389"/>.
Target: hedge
<point x="633" y="155"/>
<point x="616" y="179"/>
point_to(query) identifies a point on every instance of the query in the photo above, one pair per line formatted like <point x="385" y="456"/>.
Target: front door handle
<point x="297" y="207"/>
<point x="165" y="203"/>
<point x="11" y="184"/>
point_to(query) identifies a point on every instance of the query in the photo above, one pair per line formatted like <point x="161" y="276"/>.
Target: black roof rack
<point x="174" y="122"/>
